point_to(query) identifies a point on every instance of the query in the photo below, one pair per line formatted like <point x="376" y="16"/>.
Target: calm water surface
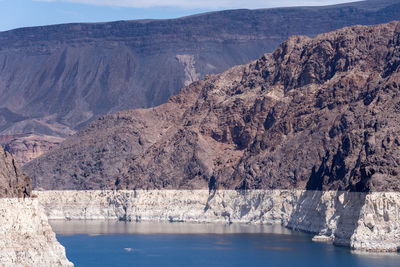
<point x="91" y="243"/>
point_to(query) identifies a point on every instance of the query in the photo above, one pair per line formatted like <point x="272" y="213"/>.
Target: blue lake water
<point x="90" y="243"/>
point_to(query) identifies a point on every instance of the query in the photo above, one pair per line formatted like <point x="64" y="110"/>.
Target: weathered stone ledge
<point x="26" y="238"/>
<point x="362" y="221"/>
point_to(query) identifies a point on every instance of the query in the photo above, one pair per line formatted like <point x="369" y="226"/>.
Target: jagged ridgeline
<point x="56" y="79"/>
<point x="316" y="114"/>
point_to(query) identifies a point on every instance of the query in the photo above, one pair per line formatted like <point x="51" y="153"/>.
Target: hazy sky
<point x="22" y="13"/>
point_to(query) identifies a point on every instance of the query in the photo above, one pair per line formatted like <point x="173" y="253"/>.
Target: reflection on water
<point x="112" y="243"/>
<point x="101" y="227"/>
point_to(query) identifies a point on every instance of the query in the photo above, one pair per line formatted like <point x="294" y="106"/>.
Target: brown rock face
<point x="56" y="79"/>
<point x="27" y="147"/>
<point x="13" y="182"/>
<point x="317" y="113"/>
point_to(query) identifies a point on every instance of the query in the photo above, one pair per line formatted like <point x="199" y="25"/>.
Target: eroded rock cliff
<point x="13" y="182"/>
<point x="26" y="238"/>
<point x="56" y="79"/>
<point x="316" y="114"/>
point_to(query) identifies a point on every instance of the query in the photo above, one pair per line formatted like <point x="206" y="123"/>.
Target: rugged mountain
<point x="55" y="79"/>
<point x="317" y="113"/>
<point x="13" y="182"/>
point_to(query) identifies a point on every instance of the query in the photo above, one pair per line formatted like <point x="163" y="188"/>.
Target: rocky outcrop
<point x="26" y="238"/>
<point x="363" y="221"/>
<point x="26" y="148"/>
<point x="56" y="79"/>
<point x="317" y="114"/>
<point x="13" y="182"/>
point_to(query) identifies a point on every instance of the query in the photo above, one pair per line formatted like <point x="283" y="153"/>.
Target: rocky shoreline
<point x="26" y="238"/>
<point x="361" y="221"/>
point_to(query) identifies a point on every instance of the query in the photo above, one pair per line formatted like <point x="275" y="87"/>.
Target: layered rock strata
<point x="55" y="79"/>
<point x="362" y="221"/>
<point x="316" y="114"/>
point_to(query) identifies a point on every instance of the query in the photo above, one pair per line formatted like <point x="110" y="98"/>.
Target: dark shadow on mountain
<point x="310" y="214"/>
<point x="348" y="206"/>
<point x="305" y="216"/>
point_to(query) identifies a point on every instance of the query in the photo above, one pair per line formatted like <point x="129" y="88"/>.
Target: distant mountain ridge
<point x="316" y="114"/>
<point x="56" y="79"/>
